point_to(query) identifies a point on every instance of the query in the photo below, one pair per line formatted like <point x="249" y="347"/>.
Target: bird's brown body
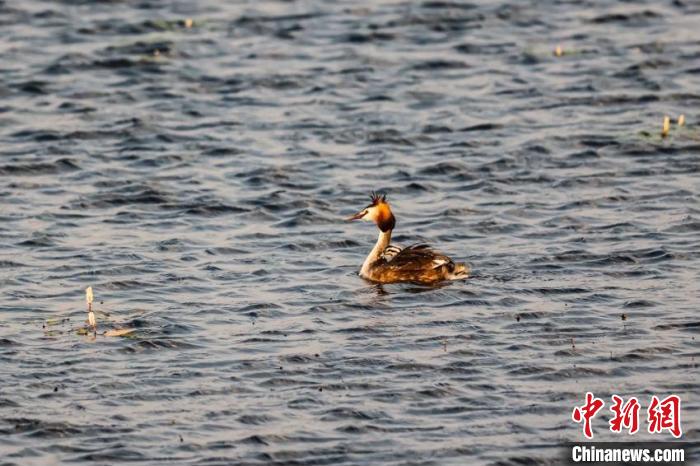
<point x="387" y="263"/>
<point x="415" y="264"/>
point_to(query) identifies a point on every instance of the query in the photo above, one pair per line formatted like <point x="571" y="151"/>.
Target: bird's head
<point x="378" y="212"/>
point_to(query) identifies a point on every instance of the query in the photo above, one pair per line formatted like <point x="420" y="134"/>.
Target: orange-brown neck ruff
<point x="385" y="219"/>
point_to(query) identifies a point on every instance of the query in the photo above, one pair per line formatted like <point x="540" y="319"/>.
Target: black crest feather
<point x="377" y="198"/>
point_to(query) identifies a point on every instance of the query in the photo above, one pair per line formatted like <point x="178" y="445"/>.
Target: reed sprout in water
<point x="668" y="130"/>
<point x="92" y="321"/>
<point x="666" y="126"/>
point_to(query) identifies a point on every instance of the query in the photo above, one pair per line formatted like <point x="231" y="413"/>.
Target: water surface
<point x="196" y="175"/>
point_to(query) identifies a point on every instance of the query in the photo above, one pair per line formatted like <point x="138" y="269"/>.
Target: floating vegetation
<point x="668" y="131"/>
<point x="169" y="25"/>
<point x="540" y="53"/>
<point x="119" y="332"/>
<point x="53" y="322"/>
<point x="90" y="327"/>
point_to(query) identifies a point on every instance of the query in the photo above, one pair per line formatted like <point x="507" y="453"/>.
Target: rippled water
<point x="196" y="175"/>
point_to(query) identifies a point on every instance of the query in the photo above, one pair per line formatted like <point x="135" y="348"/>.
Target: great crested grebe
<point x="388" y="263"/>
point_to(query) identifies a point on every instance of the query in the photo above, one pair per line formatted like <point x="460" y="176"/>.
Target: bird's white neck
<point x="382" y="243"/>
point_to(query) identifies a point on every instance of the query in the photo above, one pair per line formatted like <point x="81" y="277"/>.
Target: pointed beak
<point x="357" y="216"/>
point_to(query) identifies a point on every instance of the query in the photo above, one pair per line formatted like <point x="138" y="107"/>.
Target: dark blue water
<point x="196" y="176"/>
